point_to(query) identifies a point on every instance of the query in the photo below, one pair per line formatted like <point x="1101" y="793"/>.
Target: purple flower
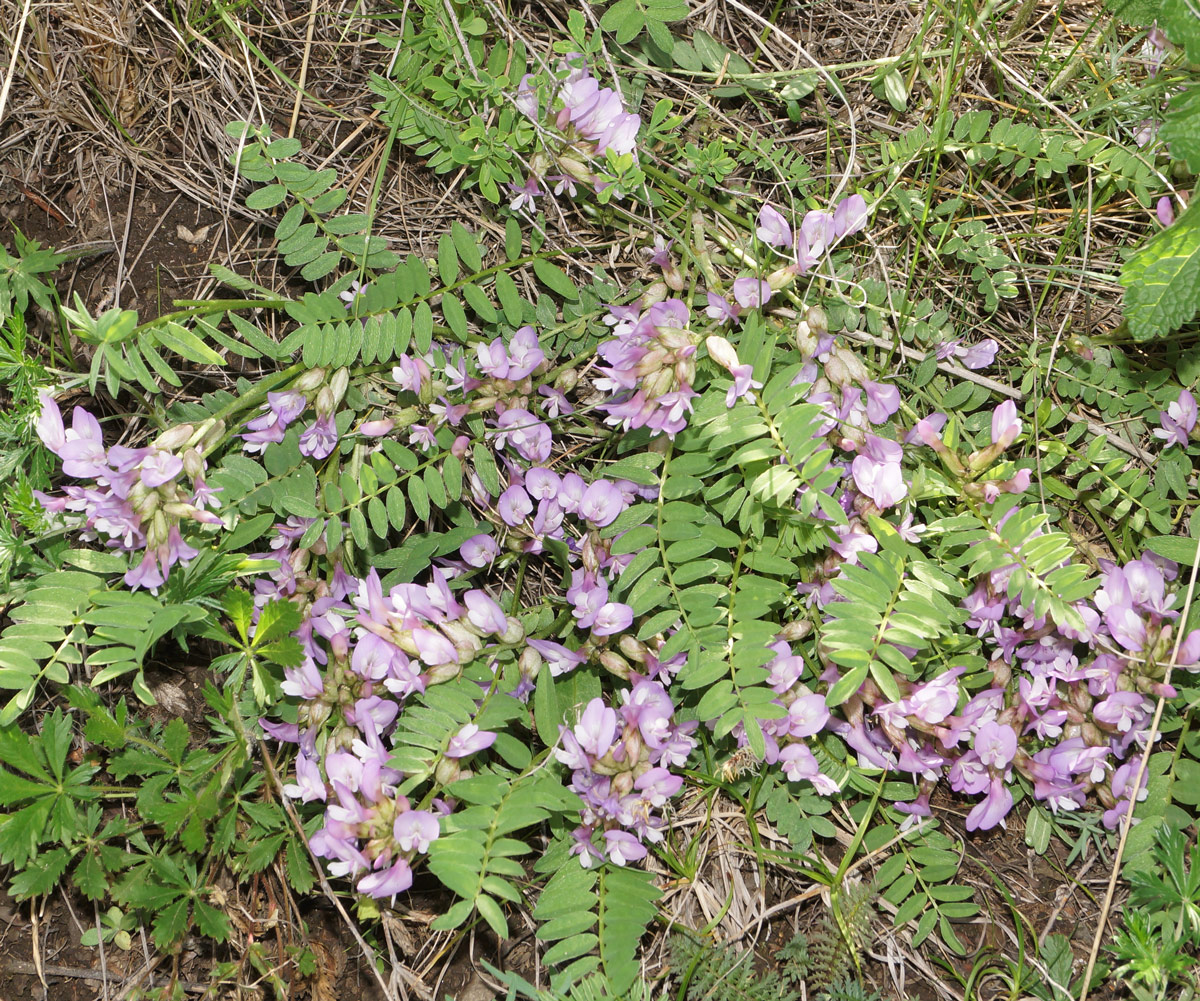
<point x="1178" y="420"/>
<point x="598" y="114"/>
<point x="799" y="764"/>
<point x="159" y="468"/>
<point x="386" y="882"/>
<point x="720" y="309"/>
<point x="1164" y="211"/>
<point x="807" y="715"/>
<point x="613" y="617"/>
<point x="850" y="216"/>
<point x="751" y="293"/>
<point x="601" y="503"/>
<point x="992" y="809"/>
<point x="320" y="438"/>
<point x="1006" y="425"/>
<point x="996" y="745"/>
<point x="596" y="729"/>
<point x="883" y="482"/>
<point x="514" y="506"/>
<point x="479" y="550"/>
<point x="525" y="433"/>
<point x="977" y="356"/>
<point x="623" y="847"/>
<point x="484" y="614"/>
<point x="660" y="254"/>
<point x="883" y="400"/>
<point x="411" y="374"/>
<point x="469" y="740"/>
<point x="524" y="353"/>
<point x="525" y="196"/>
<point x="773" y="228"/>
<point x="309" y="785"/>
<point x="415" y="830"/>
<point x="558" y="658"/>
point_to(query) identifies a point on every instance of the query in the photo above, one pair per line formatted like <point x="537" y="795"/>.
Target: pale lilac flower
<point x="1006" y="425"/>
<point x="386" y="882"/>
<point x="623" y="847"/>
<point x="597" y="728"/>
<point x="525" y="196"/>
<point x="1165" y="211"/>
<point x="850" y="216"/>
<point x="883" y="482"/>
<point x="996" y="745"/>
<point x="601" y="503"/>
<point x="526" y="98"/>
<point x="410" y="374"/>
<point x="883" y="400"/>
<point x="558" y="658"/>
<point x="613" y="617"/>
<point x="807" y="715"/>
<point x="524" y="353"/>
<point x="415" y="830"/>
<point x="469" y="740"/>
<point x="991" y="810"/>
<point x="773" y="228"/>
<point x="720" y="309"/>
<point x="751" y="293"/>
<point x="479" y="550"/>
<point x="1178" y="420"/>
<point x="320" y="438"/>
<point x="484" y="613"/>
<point x="977" y="356"/>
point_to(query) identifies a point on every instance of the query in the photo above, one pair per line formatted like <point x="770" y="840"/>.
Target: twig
<point x="1135" y="788"/>
<point x="367" y="951"/>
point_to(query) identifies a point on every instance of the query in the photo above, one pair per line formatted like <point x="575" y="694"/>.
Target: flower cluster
<point x="138" y="498"/>
<point x="649" y="367"/>
<point x="816" y="235"/>
<point x="591" y="119"/>
<point x="320" y="437"/>
<point x="364" y="654"/>
<point x="620" y="762"/>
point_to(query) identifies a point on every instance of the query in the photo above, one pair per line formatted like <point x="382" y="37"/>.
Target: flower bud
<point x="579" y="171"/>
<point x="193" y="463"/>
<point x="441" y="673"/>
<point x="567" y="380"/>
<point x="793" y="631"/>
<point x="1091" y="735"/>
<point x="514" y="634"/>
<point x="781" y="279"/>
<point x="530" y="663"/>
<point x="376" y="428"/>
<point x="447" y="771"/>
<point x="837" y="372"/>
<point x="172" y="438"/>
<point x="339" y="384"/>
<point x="309" y="380"/>
<point x="460" y="446"/>
<point x="655" y="293"/>
<point x="854" y="366"/>
<point x="633" y="648"/>
<point x="615" y="664"/>
<point x="325" y="401"/>
<point x="722" y="352"/>
<point x="817" y="321"/>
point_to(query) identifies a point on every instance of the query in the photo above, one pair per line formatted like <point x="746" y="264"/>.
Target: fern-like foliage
<point x="594" y="919"/>
<point x="818" y="960"/>
<point x="895" y="598"/>
<point x="717" y="971"/>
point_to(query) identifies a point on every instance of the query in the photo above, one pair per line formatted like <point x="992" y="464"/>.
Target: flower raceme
<point x="137" y="498"/>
